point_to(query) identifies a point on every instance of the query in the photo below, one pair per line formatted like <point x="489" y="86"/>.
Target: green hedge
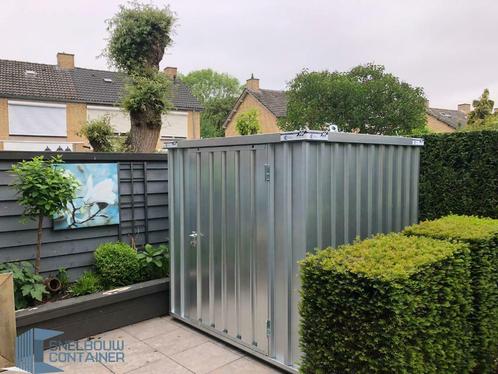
<point x="481" y="234"/>
<point x="459" y="174"/>
<point x="390" y="304"/>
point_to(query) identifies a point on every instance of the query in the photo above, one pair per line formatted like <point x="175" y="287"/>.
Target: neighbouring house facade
<point x="447" y="120"/>
<point x="270" y="105"/>
<point x="44" y="106"/>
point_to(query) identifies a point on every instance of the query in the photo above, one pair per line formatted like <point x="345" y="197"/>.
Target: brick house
<point x="272" y="105"/>
<point x="447" y="120"/>
<point x="44" y="105"/>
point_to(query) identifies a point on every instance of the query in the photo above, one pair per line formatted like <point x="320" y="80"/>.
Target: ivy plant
<point x="43" y="191"/>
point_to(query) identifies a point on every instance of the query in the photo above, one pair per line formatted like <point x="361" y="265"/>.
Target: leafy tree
<point x="365" y="99"/>
<point x="207" y="84"/>
<point x="488" y="123"/>
<point x="139" y="35"/>
<point x="217" y="92"/>
<point x="247" y="123"/>
<point x="99" y="133"/>
<point x="44" y="191"/>
<point x="483" y="107"/>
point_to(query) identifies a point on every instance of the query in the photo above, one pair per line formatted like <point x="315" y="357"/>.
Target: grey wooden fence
<point x="143" y="200"/>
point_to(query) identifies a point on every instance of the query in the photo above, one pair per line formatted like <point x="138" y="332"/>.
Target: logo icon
<point x="29" y="351"/>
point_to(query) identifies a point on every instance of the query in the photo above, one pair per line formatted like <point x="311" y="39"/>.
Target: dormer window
<point x="30" y="73"/>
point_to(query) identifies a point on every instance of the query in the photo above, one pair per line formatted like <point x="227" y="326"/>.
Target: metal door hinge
<point x="267" y="172"/>
<point x="268" y="327"/>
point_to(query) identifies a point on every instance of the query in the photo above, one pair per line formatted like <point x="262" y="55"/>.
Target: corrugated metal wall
<point x="327" y="194"/>
<point x="258" y="208"/>
<point x="144" y="213"/>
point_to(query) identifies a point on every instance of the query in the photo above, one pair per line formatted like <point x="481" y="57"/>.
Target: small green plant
<point x="154" y="261"/>
<point x="117" y="264"/>
<point x="63" y="278"/>
<point x="44" y="190"/>
<point x="87" y="284"/>
<point x="247" y="123"/>
<point x="100" y="134"/>
<point x="28" y="286"/>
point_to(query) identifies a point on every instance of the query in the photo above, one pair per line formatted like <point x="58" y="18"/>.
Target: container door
<point x="225" y="266"/>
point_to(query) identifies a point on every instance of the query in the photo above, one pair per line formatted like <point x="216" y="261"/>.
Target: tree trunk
<point x="145" y="131"/>
<point x="38" y="245"/>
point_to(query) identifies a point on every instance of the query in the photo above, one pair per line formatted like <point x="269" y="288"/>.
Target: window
<point x="37" y="119"/>
<point x="120" y="120"/>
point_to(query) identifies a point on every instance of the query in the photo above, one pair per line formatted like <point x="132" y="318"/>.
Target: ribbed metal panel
<point x="257" y="209"/>
<point x="25" y="352"/>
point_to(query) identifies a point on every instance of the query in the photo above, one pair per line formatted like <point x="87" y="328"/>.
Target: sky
<point x="448" y="47"/>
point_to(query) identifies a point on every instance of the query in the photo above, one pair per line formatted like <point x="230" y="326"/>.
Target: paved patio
<point x="163" y="345"/>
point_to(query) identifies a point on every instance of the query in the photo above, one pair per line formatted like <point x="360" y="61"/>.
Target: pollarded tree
<point x="139" y="35"/>
<point x="44" y="190"/>
<point x="483" y="107"/>
<point x="365" y="99"/>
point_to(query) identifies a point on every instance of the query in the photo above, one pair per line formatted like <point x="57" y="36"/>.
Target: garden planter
<point x="93" y="314"/>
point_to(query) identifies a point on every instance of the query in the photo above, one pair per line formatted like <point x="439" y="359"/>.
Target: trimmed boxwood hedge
<point x="117" y="264"/>
<point x="459" y="175"/>
<point x="481" y="234"/>
<point x="390" y="304"/>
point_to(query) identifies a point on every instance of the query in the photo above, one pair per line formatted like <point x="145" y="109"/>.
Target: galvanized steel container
<point x="245" y="210"/>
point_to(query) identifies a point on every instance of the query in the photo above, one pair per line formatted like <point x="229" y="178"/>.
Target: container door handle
<point x="193" y="238"/>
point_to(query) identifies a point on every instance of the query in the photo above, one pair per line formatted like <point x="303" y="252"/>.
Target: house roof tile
<point x="97" y="87"/>
<point x="274" y="100"/>
<point x="453" y="118"/>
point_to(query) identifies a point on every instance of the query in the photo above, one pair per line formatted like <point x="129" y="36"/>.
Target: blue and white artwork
<point x="97" y="200"/>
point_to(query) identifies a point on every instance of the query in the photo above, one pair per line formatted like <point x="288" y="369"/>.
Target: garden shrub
<point x="117" y="264"/>
<point x="459" y="174"/>
<point x="87" y="284"/>
<point x="28" y="286"/>
<point x="389" y="304"/>
<point x="154" y="262"/>
<point x="481" y="235"/>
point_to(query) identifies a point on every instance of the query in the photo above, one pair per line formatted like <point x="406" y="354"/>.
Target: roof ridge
<point x="27" y="62"/>
<point x="269" y="89"/>
<point x="453" y="110"/>
<point x="55" y="65"/>
<point x="100" y="70"/>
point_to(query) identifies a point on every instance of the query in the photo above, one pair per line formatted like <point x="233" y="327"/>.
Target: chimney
<point x="253" y="83"/>
<point x="170" y="72"/>
<point x="464" y="108"/>
<point x="65" y="61"/>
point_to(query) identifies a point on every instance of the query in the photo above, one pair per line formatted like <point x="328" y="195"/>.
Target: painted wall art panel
<point x="97" y="199"/>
